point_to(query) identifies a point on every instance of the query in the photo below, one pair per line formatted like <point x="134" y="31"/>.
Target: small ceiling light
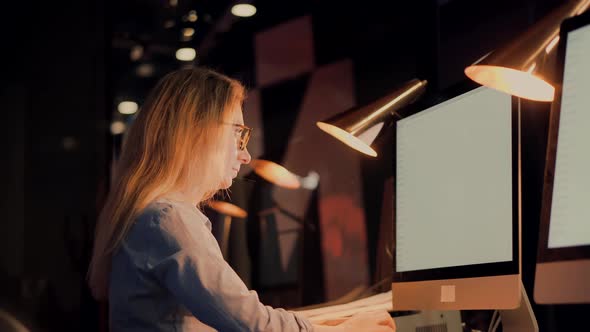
<point x="136" y="52"/>
<point x="127" y="107"/>
<point x="243" y="10"/>
<point x="169" y="24"/>
<point x="118" y="127"/>
<point x="173" y="3"/>
<point x="69" y="143"/>
<point x="186" y="54"/>
<point x="145" y="70"/>
<point x="192" y="16"/>
<point x="188" y="32"/>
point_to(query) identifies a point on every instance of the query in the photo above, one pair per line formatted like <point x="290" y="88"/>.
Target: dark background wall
<point x="65" y="71"/>
<point x="53" y="102"/>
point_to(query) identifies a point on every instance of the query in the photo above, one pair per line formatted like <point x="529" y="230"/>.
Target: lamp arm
<point x="292" y="216"/>
<point x="394" y="113"/>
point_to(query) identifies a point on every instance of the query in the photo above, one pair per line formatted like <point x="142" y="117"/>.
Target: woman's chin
<point x="226" y="183"/>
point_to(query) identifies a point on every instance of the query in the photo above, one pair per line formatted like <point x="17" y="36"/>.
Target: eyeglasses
<point x="242" y="134"/>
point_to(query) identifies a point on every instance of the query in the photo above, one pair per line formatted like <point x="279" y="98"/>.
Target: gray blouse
<point x="169" y="275"/>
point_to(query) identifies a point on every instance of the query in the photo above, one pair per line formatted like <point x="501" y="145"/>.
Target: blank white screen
<point x="454" y="183"/>
<point x="570" y="210"/>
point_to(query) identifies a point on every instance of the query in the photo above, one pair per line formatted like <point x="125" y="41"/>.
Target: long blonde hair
<point x="173" y="144"/>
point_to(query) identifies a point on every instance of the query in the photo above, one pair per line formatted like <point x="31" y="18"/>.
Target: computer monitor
<point x="563" y="261"/>
<point x="457" y="205"/>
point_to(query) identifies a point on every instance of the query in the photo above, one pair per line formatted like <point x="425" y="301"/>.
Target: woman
<point x="154" y="257"/>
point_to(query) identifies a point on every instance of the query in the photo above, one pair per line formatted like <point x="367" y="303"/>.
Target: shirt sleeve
<point x="188" y="262"/>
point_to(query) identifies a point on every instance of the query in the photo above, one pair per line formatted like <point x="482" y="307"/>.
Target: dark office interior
<point x="71" y="63"/>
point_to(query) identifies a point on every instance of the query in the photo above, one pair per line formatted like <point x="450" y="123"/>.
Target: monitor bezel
<point x="511" y="267"/>
<point x="546" y="254"/>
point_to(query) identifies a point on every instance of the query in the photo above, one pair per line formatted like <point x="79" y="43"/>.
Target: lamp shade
<point x="514" y="69"/>
<point x="359" y="127"/>
<point x="275" y="173"/>
<point x="228" y="209"/>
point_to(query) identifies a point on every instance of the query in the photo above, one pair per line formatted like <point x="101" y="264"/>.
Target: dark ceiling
<point x="219" y="37"/>
<point x="378" y="35"/>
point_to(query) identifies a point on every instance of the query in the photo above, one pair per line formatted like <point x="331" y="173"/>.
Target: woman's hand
<point x="375" y="321"/>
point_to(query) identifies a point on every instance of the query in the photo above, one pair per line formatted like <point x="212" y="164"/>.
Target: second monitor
<point x="563" y="261"/>
<point x="457" y="205"/>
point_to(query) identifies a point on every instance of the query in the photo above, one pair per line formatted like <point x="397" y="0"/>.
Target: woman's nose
<point x="244" y="156"/>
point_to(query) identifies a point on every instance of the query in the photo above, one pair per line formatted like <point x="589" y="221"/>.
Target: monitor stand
<point x="430" y="321"/>
<point x="521" y="319"/>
